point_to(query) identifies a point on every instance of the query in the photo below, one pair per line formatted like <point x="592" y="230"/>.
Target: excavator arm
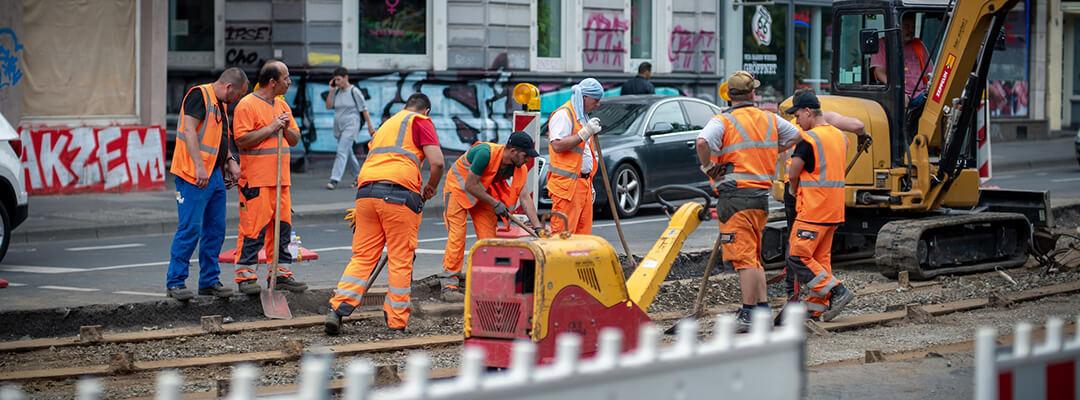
<point x="952" y="101"/>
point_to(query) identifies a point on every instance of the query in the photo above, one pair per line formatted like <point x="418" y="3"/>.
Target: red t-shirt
<point x="423" y="132"/>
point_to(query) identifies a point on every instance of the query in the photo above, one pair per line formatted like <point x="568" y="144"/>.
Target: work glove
<point x="865" y="141"/>
<point x="590" y="129"/>
<point x="501" y="210"/>
<point x="350" y="217"/>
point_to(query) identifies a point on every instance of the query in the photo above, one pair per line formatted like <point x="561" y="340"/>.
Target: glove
<point x="501" y="209"/>
<point x="350" y="216"/>
<point x="590" y="129"/>
<point x="865" y="141"/>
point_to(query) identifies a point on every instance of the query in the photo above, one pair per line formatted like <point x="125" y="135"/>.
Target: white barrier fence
<point x="1027" y="371"/>
<point x="767" y="363"/>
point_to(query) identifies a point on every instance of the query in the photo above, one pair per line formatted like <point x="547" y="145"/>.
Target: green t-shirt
<point x="479" y="156"/>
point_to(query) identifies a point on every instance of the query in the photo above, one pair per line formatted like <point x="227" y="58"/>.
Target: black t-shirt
<point x="195" y="107"/>
<point x="805" y="151"/>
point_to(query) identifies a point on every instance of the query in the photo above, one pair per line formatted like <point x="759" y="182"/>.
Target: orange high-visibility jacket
<point x="209" y="131"/>
<point x="505" y="192"/>
<point x="821" y="193"/>
<point x="257" y="168"/>
<point x="749" y="146"/>
<point x="392" y="155"/>
<point x="565" y="167"/>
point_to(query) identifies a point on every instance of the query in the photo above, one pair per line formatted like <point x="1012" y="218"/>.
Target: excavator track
<point x="947" y="244"/>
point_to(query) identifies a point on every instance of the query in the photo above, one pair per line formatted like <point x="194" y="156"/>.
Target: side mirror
<point x="868" y="42"/>
<point x="661" y="127"/>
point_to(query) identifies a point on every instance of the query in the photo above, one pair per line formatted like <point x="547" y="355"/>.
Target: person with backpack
<point x="348" y="104"/>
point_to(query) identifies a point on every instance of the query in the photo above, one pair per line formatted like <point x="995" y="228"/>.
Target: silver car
<point x="648" y="142"/>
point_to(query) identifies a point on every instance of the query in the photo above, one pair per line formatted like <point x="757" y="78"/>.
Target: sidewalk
<point x="1032" y="154"/>
<point x="97" y="215"/>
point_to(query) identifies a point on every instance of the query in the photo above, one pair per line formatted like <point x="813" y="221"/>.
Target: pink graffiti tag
<point x="685" y="47"/>
<point x="604" y="39"/>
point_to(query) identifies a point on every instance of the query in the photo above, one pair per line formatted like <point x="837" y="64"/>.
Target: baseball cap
<point x="524" y="142"/>
<point x="803" y="99"/>
<point x="742" y="82"/>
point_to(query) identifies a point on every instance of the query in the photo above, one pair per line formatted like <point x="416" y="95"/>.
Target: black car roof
<point x="637" y="98"/>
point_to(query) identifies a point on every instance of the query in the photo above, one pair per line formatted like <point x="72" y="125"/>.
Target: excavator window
<point x="854" y="65"/>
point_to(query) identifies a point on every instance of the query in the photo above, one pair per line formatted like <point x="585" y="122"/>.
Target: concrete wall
<point x="154" y="46"/>
<point x="488" y="34"/>
<point x="694" y="41"/>
<point x="11" y="81"/>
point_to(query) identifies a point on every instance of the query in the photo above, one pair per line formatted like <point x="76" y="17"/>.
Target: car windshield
<point x="617" y="118"/>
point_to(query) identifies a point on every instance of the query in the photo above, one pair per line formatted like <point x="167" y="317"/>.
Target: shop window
<point x="191" y="26"/>
<point x="641" y="22"/>
<point x="393" y="26"/>
<point x="854" y="67"/>
<point x="764" y="49"/>
<point x="1007" y="84"/>
<point x="549" y="28"/>
<point x="813" y="47"/>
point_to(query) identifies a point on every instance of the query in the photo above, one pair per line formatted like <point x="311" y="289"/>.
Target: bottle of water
<point x="294" y="246"/>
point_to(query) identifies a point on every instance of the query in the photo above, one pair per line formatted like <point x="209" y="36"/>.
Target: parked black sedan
<point x="648" y="142"/>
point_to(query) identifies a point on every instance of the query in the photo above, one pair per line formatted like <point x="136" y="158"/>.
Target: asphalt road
<point x="127" y="269"/>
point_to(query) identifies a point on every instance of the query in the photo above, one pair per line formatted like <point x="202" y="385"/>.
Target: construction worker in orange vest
<point x="484" y="183"/>
<point x="816" y="178"/>
<point x="844" y="123"/>
<point x="257" y="120"/>
<point x="573" y="159"/>
<point x="389" y="202"/>
<point x="204" y="168"/>
<point x="738" y="150"/>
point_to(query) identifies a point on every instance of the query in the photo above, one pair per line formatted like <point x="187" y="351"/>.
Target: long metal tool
<point x="699" y="301"/>
<point x="274" y="304"/>
<point x="611" y="198"/>
<point x="523" y="226"/>
<point x="862" y="149"/>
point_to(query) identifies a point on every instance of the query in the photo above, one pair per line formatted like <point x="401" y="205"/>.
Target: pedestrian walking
<point x="258" y="118"/>
<point x="640" y="84"/>
<point x="573" y="159"/>
<point x="485" y="183"/>
<point x="738" y="151"/>
<point x="202" y="164"/>
<point x="389" y="204"/>
<point x="350" y="112"/>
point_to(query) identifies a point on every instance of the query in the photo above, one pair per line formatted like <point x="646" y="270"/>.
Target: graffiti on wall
<point x="604" y="34"/>
<point x="10" y="50"/>
<point x="692" y="51"/>
<point x="247" y="44"/>
<point x="85" y="159"/>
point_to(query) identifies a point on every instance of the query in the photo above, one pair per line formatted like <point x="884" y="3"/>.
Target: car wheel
<point x="5" y="230"/>
<point x="628" y="187"/>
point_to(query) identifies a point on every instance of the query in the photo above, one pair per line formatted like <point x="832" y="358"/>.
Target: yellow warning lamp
<point x="528" y="95"/>
<point x="724" y="92"/>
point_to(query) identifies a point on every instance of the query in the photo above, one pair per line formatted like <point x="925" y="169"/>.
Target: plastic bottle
<point x="294" y="246"/>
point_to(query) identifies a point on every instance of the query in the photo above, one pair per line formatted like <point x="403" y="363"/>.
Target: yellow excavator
<point x="914" y="199"/>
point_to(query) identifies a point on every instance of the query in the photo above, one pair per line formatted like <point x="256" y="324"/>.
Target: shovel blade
<point x="274" y="305"/>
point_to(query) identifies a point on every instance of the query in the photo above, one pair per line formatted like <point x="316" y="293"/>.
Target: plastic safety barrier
<point x="1027" y="371"/>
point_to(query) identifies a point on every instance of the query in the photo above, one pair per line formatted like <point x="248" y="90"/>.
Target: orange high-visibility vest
<point x="505" y="192"/>
<point x="821" y="194"/>
<point x="565" y="167"/>
<point x="749" y="146"/>
<point x="257" y="164"/>
<point x="209" y="136"/>
<point x="392" y="155"/>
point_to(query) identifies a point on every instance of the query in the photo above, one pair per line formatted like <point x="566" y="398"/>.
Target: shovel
<point x="522" y="226"/>
<point x="699" y="302"/>
<point x="274" y="304"/>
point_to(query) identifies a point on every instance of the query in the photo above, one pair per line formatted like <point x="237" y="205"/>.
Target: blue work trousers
<point x="201" y="222"/>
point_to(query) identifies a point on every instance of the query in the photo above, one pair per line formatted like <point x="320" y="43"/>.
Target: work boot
<point x="249" y="287"/>
<point x="332" y="325"/>
<point x="451" y="295"/>
<point x="290" y="284"/>
<point x="743" y="320"/>
<point x="217" y="290"/>
<point x="181" y="293"/>
<point x="397" y="332"/>
<point x="840" y="297"/>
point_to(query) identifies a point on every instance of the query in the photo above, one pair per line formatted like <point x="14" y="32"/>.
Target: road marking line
<point x="631" y="222"/>
<point x="140" y="293"/>
<point x="1065" y="179"/>
<point x="38" y="270"/>
<point x="149" y="264"/>
<point x="1003" y="177"/>
<point x="1041" y="174"/>
<point x="73" y="289"/>
<point x="230" y="237"/>
<point x="13" y="284"/>
<point x="430" y="251"/>
<point x="109" y="247"/>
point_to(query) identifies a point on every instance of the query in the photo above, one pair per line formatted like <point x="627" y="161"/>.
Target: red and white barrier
<point x="982" y="132"/>
<point x="529" y="122"/>
<point x="1027" y="371"/>
<point x="85" y="159"/>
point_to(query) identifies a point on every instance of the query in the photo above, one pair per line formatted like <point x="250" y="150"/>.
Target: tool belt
<point x="392" y="193"/>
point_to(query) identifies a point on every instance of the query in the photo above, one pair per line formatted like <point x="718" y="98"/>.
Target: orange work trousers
<point x="578" y="211"/>
<point x="256" y="231"/>
<point x="810" y="256"/>
<point x="742" y="222"/>
<point x="455" y="217"/>
<point x="380" y="224"/>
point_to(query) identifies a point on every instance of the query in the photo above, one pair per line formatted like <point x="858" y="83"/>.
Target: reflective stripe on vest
<point x="821" y="166"/>
<point x="211" y="108"/>
<point x="259" y="152"/>
<point x="397" y="148"/>
<point x="461" y="181"/>
<point x="209" y="129"/>
<point x="502" y="191"/>
<point x="742" y="173"/>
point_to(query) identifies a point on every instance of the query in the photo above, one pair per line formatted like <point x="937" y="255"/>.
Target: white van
<point x="14" y="203"/>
